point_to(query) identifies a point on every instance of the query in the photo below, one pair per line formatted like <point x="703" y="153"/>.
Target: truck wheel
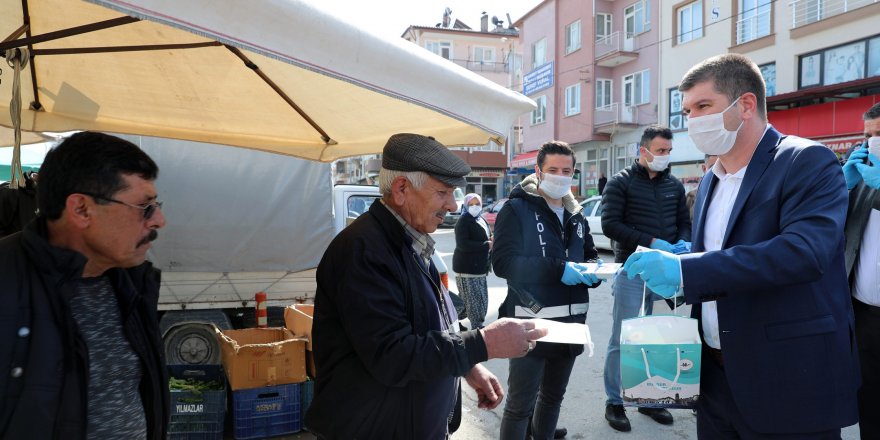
<point x="191" y="344"/>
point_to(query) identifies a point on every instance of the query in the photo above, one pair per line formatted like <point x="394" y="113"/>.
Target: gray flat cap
<point x="414" y="152"/>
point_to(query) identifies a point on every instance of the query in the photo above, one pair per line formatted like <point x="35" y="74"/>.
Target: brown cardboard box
<point x="298" y="319"/>
<point x="260" y="357"/>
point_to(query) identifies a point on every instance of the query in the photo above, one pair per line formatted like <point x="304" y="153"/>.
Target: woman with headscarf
<point x="471" y="259"/>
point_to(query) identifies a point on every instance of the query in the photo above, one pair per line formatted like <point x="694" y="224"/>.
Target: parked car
<point x="491" y="211"/>
<point x="451" y="218"/>
<point x="593" y="213"/>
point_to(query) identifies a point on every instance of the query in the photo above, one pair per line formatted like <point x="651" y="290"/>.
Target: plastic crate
<point x="266" y="412"/>
<point x="308" y="390"/>
<point x="197" y="416"/>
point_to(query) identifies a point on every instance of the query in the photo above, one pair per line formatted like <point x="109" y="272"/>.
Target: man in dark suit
<point x="862" y="174"/>
<point x="767" y="278"/>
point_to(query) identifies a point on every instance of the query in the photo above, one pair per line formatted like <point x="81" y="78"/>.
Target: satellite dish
<point x="496" y="21"/>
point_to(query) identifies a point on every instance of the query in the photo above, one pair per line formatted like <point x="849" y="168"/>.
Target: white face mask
<point x="659" y="163"/>
<point x="474" y="210"/>
<point x="709" y="134"/>
<point x="555" y="186"/>
<point x="874" y="146"/>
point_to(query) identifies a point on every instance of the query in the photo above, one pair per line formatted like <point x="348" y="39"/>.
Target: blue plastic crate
<point x="308" y="390"/>
<point x="197" y="416"/>
<point x="266" y="412"/>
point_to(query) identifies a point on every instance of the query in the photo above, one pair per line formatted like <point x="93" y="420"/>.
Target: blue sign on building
<point x="538" y="79"/>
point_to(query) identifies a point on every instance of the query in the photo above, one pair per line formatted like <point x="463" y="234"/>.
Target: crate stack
<point x="298" y="319"/>
<point x="265" y="368"/>
<point x="198" y="410"/>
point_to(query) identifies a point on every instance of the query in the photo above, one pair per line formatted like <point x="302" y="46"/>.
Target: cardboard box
<point x="260" y="357"/>
<point x="298" y="319"/>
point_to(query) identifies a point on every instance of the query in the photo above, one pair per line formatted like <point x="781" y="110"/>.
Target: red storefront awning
<point x="524" y="160"/>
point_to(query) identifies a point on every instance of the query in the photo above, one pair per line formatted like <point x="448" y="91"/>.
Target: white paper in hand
<point x="605" y="271"/>
<point x="566" y="333"/>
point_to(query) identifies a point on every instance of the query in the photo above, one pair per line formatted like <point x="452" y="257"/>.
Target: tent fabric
<point x="234" y="210"/>
<point x="358" y="87"/>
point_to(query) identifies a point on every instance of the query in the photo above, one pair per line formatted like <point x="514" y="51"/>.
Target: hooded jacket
<point x="531" y="249"/>
<point x="44" y="365"/>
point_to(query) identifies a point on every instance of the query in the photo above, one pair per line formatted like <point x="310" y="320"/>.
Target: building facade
<point x="591" y="68"/>
<point x="820" y="60"/>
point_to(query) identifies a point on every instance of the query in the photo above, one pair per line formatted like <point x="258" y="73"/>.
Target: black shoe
<point x="660" y="415"/>
<point x="557" y="434"/>
<point x="616" y="416"/>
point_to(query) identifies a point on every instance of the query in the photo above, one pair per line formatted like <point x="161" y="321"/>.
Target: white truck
<point x="240" y="222"/>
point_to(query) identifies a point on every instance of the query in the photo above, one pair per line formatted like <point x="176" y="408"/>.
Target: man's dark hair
<point x="872" y="113"/>
<point x="653" y="131"/>
<point x="89" y="162"/>
<point x="554" y="147"/>
<point x="733" y="75"/>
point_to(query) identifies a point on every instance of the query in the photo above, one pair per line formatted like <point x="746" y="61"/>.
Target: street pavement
<point x="583" y="410"/>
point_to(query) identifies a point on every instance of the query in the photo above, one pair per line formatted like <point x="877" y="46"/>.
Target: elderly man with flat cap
<point x="388" y="356"/>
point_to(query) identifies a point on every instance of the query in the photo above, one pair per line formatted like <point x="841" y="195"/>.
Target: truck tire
<point x="191" y="344"/>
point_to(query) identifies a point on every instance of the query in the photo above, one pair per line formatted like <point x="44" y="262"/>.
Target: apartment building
<point x="591" y="68"/>
<point x="820" y="60"/>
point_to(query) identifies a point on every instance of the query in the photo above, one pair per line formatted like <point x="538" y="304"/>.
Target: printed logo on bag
<point x="686" y="364"/>
<point x="265" y="407"/>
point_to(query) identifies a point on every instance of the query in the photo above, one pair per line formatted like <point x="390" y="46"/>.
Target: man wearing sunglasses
<point x="80" y="349"/>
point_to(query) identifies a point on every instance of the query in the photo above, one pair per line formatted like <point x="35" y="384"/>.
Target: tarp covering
<point x="235" y="210"/>
<point x="357" y="87"/>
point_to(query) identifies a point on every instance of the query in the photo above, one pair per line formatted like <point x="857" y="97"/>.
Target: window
<point x="690" y="22"/>
<point x="840" y="64"/>
<point x="753" y="21"/>
<point x="603" y="26"/>
<point x="442" y="48"/>
<point x="637" y="88"/>
<point x="637" y="18"/>
<point x="603" y="93"/>
<point x="573" y="100"/>
<point x="573" y="37"/>
<point x="768" y="71"/>
<point x="677" y="121"/>
<point x="538" y="115"/>
<point x="539" y="53"/>
<point x="484" y="55"/>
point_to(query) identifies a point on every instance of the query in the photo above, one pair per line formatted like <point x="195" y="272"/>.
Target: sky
<point x="390" y="18"/>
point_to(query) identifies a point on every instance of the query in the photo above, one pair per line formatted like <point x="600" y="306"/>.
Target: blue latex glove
<point x="661" y="245"/>
<point x="660" y="271"/>
<point x="850" y="169"/>
<point x="572" y="274"/>
<point x="682" y="247"/>
<point x="870" y="173"/>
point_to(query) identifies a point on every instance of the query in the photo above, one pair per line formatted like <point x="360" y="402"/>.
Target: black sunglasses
<point x="149" y="209"/>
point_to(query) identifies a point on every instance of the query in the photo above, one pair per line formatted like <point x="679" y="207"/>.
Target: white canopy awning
<point x="232" y="72"/>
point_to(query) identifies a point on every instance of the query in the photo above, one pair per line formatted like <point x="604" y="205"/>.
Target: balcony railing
<point x="614" y="114"/>
<point x="753" y="27"/>
<point x="616" y="42"/>
<point x="483" y="66"/>
<point x="810" y="11"/>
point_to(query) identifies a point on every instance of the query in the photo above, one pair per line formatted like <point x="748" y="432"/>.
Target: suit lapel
<point x="704" y="194"/>
<point x="761" y="159"/>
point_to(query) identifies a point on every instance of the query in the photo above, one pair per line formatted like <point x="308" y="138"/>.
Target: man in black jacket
<point x="79" y="328"/>
<point x="389" y="358"/>
<point x="644" y="205"/>
<point x="541" y="236"/>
